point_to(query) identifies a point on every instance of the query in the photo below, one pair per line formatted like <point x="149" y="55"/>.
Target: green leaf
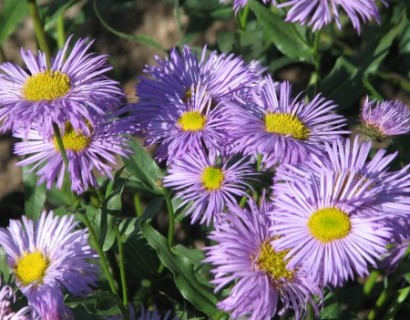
<point x="112" y="203"/>
<point x="347" y="73"/>
<point x="196" y="257"/>
<point x="140" y="38"/>
<point x="103" y="225"/>
<point x="289" y="38"/>
<point x="12" y="14"/>
<point x="144" y="170"/>
<point x="185" y="278"/>
<point x="35" y="195"/>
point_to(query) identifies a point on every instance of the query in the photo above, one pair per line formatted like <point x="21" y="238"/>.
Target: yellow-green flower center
<point x="47" y="85"/>
<point x="212" y="178"/>
<point x="329" y="224"/>
<point x="286" y="124"/>
<point x="273" y="263"/>
<point x="72" y="140"/>
<point x="31" y="267"/>
<point x="192" y="121"/>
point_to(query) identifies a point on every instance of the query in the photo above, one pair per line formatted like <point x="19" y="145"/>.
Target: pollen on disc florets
<point x="31" y="267"/>
<point x="212" y="178"/>
<point x="48" y="85"/>
<point x="286" y="124"/>
<point x="329" y="224"/>
<point x="192" y="121"/>
<point x="273" y="262"/>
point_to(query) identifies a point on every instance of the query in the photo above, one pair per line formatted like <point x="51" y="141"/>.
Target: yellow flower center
<point x="273" y="263"/>
<point x="72" y="140"/>
<point x="47" y="85"/>
<point x="192" y="121"/>
<point x="286" y="124"/>
<point x="329" y="224"/>
<point x="212" y="178"/>
<point x="31" y="267"/>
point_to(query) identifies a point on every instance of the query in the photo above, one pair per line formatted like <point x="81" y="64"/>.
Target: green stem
<point x="243" y="17"/>
<point x="60" y="30"/>
<point x="103" y="259"/>
<point x="122" y="268"/>
<point x="2" y="55"/>
<point x="60" y="144"/>
<point x="137" y="205"/>
<point x="219" y="315"/>
<point x="171" y="218"/>
<point x="316" y="60"/>
<point x="389" y="291"/>
<point x="370" y="282"/>
<point x="396" y="304"/>
<point x="39" y="30"/>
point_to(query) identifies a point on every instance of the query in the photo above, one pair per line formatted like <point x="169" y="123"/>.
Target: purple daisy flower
<point x="327" y="225"/>
<point x="244" y="257"/>
<point x="185" y="127"/>
<point x="318" y="13"/>
<point x="181" y="73"/>
<point x="383" y="120"/>
<point x="210" y="185"/>
<point x="280" y="128"/>
<point x="47" y="256"/>
<point x="74" y="88"/>
<point x="7" y="297"/>
<point x="85" y="153"/>
<point x="393" y="187"/>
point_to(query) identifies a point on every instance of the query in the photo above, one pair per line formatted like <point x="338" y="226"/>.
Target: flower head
<point x="318" y="13"/>
<point x="327" y="225"/>
<point x="73" y="89"/>
<point x="7" y="297"/>
<point x="46" y="256"/>
<point x="390" y="190"/>
<point x="85" y="153"/>
<point x="185" y="126"/>
<point x="245" y="257"/>
<point x="385" y="119"/>
<point x="280" y="128"/>
<point x="181" y="73"/>
<point x="209" y="185"/>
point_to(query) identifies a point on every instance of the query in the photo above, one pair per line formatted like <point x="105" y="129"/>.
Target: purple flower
<point x="47" y="256"/>
<point x="7" y="297"/>
<point x="85" y="153"/>
<point x="208" y="183"/>
<point x="385" y="119"/>
<point x="245" y="258"/>
<point x="390" y="189"/>
<point x="280" y="128"/>
<point x="327" y="224"/>
<point x="318" y="13"/>
<point x="181" y="73"/>
<point x="186" y="126"/>
<point x="74" y="88"/>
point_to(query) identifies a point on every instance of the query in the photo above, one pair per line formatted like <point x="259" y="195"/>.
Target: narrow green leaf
<point x="347" y="73"/>
<point x="35" y="195"/>
<point x="140" y="38"/>
<point x="144" y="169"/>
<point x="12" y="14"/>
<point x="190" y="287"/>
<point x="289" y="38"/>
